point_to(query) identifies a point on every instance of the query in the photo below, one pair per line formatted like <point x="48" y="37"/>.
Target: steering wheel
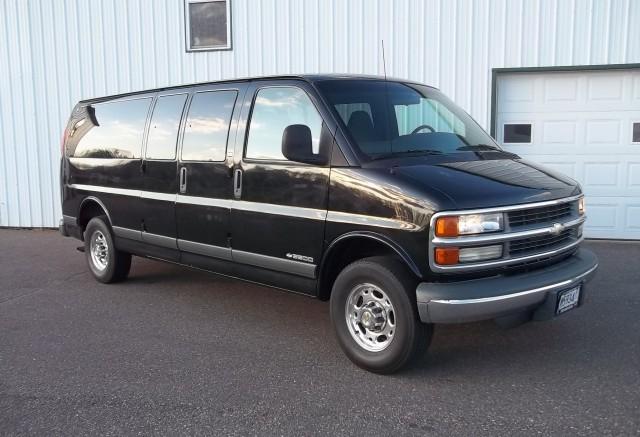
<point x="422" y="126"/>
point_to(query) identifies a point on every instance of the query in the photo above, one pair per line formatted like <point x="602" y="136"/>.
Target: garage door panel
<point x="581" y="125"/>
<point x="632" y="218"/>
<point x="603" y="132"/>
<point x="561" y="89"/>
<point x="601" y="174"/>
<point x="605" y="87"/>
<point x="559" y="132"/>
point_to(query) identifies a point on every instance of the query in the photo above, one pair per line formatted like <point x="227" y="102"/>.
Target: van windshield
<point x="389" y="119"/>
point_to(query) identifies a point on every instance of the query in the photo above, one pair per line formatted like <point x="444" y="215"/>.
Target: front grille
<point x="543" y="214"/>
<point x="527" y="240"/>
<point x="541" y="243"/>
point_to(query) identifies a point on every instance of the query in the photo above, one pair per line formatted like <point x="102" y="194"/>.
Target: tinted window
<point x="275" y="109"/>
<point x="163" y="130"/>
<point x="207" y="129"/>
<point x="517" y="133"/>
<point x="112" y="130"/>
<point x="636" y="133"/>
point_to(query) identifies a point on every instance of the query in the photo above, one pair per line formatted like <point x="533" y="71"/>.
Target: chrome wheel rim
<point x="99" y="250"/>
<point x="370" y="317"/>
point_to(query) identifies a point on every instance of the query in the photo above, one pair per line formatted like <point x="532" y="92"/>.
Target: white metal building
<point x="580" y="113"/>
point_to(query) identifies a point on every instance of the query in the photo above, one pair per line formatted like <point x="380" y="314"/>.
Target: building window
<point x="517" y="133"/>
<point x="207" y="24"/>
<point x="635" y="135"/>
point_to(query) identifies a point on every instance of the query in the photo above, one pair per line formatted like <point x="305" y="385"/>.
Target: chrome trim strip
<point x="69" y="219"/>
<point x="205" y="249"/>
<point x="204" y="201"/>
<point x="266" y="208"/>
<point x="502" y="236"/>
<point x="509" y="208"/>
<point x="514" y="295"/>
<point x="158" y="196"/>
<point x="367" y="220"/>
<point x="108" y="190"/>
<point x="272" y="208"/>
<point x="274" y="263"/>
<point x="159" y="240"/>
<point x="127" y="233"/>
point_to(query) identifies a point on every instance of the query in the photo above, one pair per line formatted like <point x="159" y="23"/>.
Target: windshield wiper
<point x="408" y="152"/>
<point x="479" y="147"/>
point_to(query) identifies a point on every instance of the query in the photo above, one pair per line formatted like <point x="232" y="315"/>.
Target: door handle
<point x="183" y="180"/>
<point x="237" y="183"/>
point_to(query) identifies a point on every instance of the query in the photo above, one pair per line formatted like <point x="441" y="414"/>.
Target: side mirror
<point x="297" y="145"/>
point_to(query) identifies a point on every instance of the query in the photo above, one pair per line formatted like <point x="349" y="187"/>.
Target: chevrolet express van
<point x="381" y="196"/>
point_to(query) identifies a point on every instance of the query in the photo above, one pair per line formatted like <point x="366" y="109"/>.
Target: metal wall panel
<point x="55" y="52"/>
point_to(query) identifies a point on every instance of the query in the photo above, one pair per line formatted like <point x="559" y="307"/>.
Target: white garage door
<point x="587" y="125"/>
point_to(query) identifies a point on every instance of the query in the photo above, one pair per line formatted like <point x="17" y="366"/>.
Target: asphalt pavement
<point x="178" y="351"/>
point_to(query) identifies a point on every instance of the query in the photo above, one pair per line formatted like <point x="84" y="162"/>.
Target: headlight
<point x="452" y="226"/>
<point x="581" y="206"/>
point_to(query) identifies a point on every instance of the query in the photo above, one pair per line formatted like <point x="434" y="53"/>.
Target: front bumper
<point x="499" y="296"/>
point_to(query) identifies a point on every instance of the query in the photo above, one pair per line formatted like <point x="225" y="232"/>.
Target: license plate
<point x="568" y="300"/>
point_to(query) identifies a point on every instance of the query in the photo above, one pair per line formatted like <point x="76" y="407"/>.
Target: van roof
<point x="306" y="77"/>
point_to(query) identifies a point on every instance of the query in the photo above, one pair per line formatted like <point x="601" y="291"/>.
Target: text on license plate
<point x="568" y="299"/>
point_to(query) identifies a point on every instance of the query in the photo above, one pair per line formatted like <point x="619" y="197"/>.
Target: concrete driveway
<point x="176" y="351"/>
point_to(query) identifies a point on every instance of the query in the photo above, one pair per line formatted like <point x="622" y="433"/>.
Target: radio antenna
<point x="384" y="61"/>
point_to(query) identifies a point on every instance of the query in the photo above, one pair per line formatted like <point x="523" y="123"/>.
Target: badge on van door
<point x="297" y="257"/>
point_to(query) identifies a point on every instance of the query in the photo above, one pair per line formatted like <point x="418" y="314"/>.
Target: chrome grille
<point x="542" y="243"/>
<point x="532" y="233"/>
<point x="543" y="214"/>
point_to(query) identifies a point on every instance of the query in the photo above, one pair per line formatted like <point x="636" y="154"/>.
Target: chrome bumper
<point x="498" y="296"/>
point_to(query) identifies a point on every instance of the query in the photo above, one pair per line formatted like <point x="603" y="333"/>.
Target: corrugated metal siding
<point x="55" y="52"/>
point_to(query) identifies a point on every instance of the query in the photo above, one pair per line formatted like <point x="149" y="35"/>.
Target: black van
<point x="381" y="196"/>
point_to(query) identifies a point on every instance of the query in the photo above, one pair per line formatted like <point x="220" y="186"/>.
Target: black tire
<point x="411" y="337"/>
<point x="116" y="263"/>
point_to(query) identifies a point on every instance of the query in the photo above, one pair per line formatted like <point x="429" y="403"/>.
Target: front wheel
<point x="105" y="262"/>
<point x="374" y="314"/>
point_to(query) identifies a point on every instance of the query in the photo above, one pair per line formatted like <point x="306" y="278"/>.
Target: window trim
<point x="284" y="161"/>
<point x="185" y="117"/>
<point x="187" y="28"/>
<point x="505" y="123"/>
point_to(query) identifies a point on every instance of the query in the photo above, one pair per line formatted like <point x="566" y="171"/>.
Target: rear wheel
<point x="107" y="264"/>
<point x="374" y="314"/>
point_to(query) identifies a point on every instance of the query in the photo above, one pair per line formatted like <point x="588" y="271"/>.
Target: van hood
<point x="484" y="183"/>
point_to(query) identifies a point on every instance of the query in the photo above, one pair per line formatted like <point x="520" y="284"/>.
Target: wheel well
<point x="89" y="209"/>
<point x="344" y="253"/>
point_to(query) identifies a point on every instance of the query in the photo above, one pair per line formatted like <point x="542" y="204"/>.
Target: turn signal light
<point x="447" y="255"/>
<point x="447" y="226"/>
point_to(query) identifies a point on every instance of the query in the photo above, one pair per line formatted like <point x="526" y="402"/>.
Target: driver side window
<point x="429" y="114"/>
<point x="274" y="109"/>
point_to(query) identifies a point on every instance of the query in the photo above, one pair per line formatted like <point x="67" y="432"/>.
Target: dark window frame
<point x="187" y="28"/>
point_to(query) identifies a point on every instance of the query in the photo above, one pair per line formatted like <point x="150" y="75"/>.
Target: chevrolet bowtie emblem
<point x="556" y="229"/>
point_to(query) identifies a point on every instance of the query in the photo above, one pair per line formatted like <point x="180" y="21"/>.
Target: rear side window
<point x="165" y="124"/>
<point x="275" y="109"/>
<point x="207" y="128"/>
<point x="112" y="130"/>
